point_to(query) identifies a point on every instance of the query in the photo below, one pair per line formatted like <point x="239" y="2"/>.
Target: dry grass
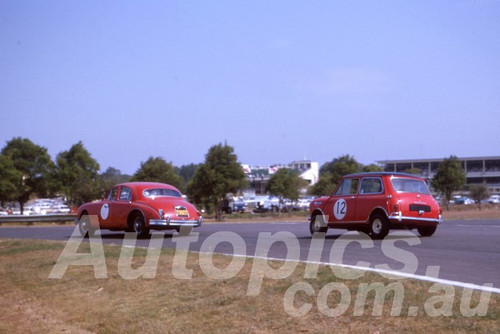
<point x="472" y="212"/>
<point x="80" y="303"/>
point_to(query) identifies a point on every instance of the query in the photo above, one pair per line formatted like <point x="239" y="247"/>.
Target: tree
<point x="285" y="183"/>
<point x="479" y="192"/>
<point x="25" y="170"/>
<point x="157" y="170"/>
<point x="77" y="173"/>
<point x="331" y="172"/>
<point x="372" y="168"/>
<point x="9" y="177"/>
<point x="219" y="175"/>
<point x="324" y="186"/>
<point x="449" y="178"/>
<point x="414" y="171"/>
<point x="111" y="177"/>
<point x="198" y="188"/>
<point x="186" y="172"/>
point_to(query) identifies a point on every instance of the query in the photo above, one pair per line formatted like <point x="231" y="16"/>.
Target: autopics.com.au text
<point x="442" y="294"/>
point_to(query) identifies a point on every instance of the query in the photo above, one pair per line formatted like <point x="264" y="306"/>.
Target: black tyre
<point x="318" y="224"/>
<point x="84" y="226"/>
<point x="426" y="231"/>
<point x="379" y="226"/>
<point x="139" y="226"/>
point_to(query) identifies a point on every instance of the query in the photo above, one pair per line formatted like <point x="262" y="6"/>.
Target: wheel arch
<point x="378" y="210"/>
<point x="94" y="222"/>
<point x="83" y="213"/>
<point x="132" y="214"/>
<point x="318" y="212"/>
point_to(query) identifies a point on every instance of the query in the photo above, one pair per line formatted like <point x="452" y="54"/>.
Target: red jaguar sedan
<point x="139" y="207"/>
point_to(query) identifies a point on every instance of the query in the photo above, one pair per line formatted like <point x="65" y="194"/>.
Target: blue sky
<point x="277" y="80"/>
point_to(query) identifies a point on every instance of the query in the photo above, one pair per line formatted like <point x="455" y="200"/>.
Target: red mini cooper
<point x="139" y="207"/>
<point x="375" y="203"/>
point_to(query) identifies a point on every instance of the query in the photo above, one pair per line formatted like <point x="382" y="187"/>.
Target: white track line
<point x="487" y="287"/>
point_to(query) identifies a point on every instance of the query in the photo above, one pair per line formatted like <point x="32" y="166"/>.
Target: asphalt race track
<point x="460" y="251"/>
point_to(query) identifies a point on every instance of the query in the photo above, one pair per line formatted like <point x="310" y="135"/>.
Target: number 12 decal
<point x="340" y="209"/>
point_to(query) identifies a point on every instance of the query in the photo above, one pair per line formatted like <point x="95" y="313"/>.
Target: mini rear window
<point x="161" y="192"/>
<point x="403" y="185"/>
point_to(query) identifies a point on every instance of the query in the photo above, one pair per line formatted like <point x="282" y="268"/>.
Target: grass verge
<point x="80" y="303"/>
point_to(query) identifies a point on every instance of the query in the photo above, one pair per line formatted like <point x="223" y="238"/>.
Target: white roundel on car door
<point x="340" y="209"/>
<point x="105" y="211"/>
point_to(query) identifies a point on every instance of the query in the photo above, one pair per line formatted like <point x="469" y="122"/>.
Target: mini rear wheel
<point x="379" y="226"/>
<point x="426" y="231"/>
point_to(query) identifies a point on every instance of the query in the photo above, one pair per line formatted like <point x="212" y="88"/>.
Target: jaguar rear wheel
<point x="139" y="226"/>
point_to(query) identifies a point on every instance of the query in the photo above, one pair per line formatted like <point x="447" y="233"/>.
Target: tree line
<point x="27" y="170"/>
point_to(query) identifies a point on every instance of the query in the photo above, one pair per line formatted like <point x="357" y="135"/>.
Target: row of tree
<point x="450" y="177"/>
<point x="27" y="170"/>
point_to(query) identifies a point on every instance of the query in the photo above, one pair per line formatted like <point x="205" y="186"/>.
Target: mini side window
<point x="348" y="187"/>
<point x="371" y="185"/>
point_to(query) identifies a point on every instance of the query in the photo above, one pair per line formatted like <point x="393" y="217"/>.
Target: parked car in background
<point x="239" y="206"/>
<point x="303" y="203"/>
<point x="266" y="204"/>
<point x="463" y="200"/>
<point x="494" y="199"/>
<point x="139" y="207"/>
<point x="230" y="206"/>
<point x="60" y="208"/>
<point x="27" y="210"/>
<point x="375" y="203"/>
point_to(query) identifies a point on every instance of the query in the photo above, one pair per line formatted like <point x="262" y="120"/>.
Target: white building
<point x="258" y="176"/>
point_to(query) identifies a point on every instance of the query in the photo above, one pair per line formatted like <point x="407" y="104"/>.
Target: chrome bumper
<point x="175" y="223"/>
<point x="396" y="216"/>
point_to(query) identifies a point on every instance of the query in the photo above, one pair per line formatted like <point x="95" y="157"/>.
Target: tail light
<point x="396" y="207"/>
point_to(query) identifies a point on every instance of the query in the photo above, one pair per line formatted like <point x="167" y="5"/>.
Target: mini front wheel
<point x="318" y="224"/>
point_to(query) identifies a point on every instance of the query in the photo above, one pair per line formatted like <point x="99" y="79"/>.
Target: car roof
<point x="144" y="185"/>
<point x="382" y="174"/>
